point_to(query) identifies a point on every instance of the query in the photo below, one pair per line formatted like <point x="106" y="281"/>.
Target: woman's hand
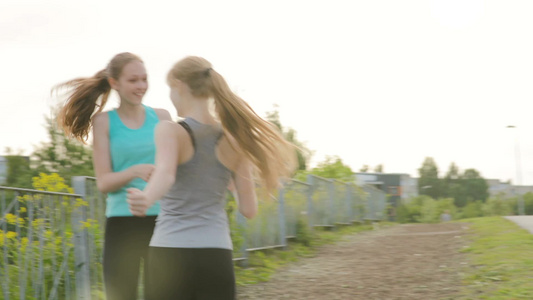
<point x="138" y="202"/>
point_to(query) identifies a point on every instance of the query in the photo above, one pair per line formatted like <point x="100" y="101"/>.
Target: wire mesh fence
<point x="52" y="243"/>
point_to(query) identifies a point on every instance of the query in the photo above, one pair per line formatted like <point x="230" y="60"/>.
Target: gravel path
<point x="401" y="262"/>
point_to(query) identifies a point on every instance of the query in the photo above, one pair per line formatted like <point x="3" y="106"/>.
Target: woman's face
<point x="132" y="83"/>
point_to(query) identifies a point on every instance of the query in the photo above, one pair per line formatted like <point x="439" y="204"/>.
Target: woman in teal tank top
<point x="123" y="157"/>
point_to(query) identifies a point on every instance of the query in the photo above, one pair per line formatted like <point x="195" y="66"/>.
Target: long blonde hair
<point x="261" y="141"/>
<point x="75" y="116"/>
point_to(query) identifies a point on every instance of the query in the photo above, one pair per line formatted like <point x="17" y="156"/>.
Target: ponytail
<point x="260" y="141"/>
<point x="75" y="117"/>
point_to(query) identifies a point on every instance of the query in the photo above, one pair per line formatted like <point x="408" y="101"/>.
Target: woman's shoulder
<point x="171" y="130"/>
<point x="101" y="118"/>
<point x="100" y="123"/>
<point x="168" y="127"/>
<point x="162" y="114"/>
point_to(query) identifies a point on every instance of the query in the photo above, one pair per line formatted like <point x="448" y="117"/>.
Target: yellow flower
<point x="86" y="224"/>
<point x="37" y="222"/>
<point x="50" y="182"/>
<point x="81" y="202"/>
<point x="11" y="234"/>
<point x="48" y="234"/>
<point x="23" y="209"/>
<point x="24" y="242"/>
<point x="11" y="219"/>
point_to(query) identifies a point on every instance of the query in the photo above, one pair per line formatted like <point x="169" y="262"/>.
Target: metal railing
<point x="39" y="239"/>
<point x="319" y="202"/>
<point x="51" y="243"/>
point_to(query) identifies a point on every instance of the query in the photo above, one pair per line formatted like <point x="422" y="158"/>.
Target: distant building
<point x="398" y="186"/>
<point x="507" y="190"/>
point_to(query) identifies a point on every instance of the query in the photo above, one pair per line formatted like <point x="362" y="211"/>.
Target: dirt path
<point x="400" y="262"/>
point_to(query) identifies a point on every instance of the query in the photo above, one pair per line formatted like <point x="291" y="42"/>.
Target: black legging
<point x="126" y="243"/>
<point x="190" y="274"/>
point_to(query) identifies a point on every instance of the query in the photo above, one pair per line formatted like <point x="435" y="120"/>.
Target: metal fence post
<point x="377" y="204"/>
<point x="281" y="213"/>
<point x="79" y="215"/>
<point x="384" y="206"/>
<point x="241" y="224"/>
<point x="373" y="201"/>
<point x="5" y="270"/>
<point x="310" y="191"/>
<point x="331" y="202"/>
<point x="349" y="203"/>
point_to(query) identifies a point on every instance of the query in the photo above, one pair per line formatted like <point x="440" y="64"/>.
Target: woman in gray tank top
<point x="191" y="251"/>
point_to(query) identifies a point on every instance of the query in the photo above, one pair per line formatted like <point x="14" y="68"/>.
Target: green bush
<point x="423" y="209"/>
<point x="528" y="203"/>
<point x="429" y="212"/>
<point x="411" y="210"/>
<point x="472" y="210"/>
<point x="236" y="230"/>
<point x="498" y="206"/>
<point x="304" y="235"/>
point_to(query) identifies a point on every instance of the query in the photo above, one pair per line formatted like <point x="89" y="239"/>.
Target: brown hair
<point x="261" y="141"/>
<point x="75" y="116"/>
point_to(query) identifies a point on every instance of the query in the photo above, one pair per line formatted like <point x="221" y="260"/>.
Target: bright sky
<point x="374" y="82"/>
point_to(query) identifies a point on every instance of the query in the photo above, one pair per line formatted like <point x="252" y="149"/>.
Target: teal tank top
<point x="130" y="147"/>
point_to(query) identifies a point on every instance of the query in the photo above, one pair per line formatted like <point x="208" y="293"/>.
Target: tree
<point x="303" y="153"/>
<point x="19" y="173"/>
<point x="464" y="187"/>
<point x="475" y="186"/>
<point x="364" y="169"/>
<point x="67" y="157"/>
<point x="378" y="168"/>
<point x="451" y="185"/>
<point x="428" y="182"/>
<point x="453" y="172"/>
<point x="333" y="167"/>
<point x="59" y="155"/>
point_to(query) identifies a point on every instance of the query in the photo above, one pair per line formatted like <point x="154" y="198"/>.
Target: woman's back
<point x="192" y="212"/>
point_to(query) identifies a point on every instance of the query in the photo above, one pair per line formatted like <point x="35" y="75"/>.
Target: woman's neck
<point x="199" y="110"/>
<point x="131" y="111"/>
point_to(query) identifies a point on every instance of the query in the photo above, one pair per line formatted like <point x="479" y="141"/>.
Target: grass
<point x="263" y="264"/>
<point x="500" y="255"/>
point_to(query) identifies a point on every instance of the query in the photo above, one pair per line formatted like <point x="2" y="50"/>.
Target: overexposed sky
<point x="374" y="82"/>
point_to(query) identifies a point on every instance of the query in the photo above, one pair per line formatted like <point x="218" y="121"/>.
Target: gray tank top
<point x="193" y="212"/>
